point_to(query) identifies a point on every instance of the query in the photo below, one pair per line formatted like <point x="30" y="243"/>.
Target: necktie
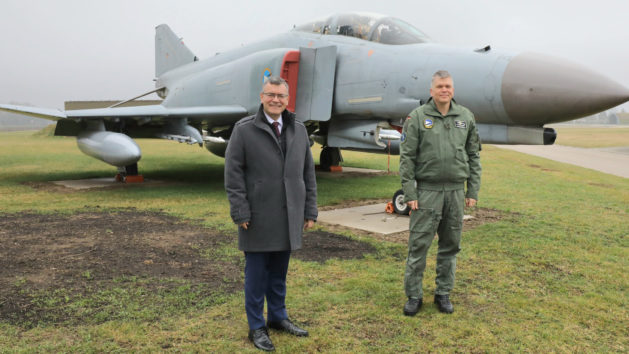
<point x="276" y="128"/>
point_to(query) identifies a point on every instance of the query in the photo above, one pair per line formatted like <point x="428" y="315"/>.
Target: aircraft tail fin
<point x="170" y="51"/>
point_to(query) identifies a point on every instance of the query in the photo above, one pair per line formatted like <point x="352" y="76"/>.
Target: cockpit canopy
<point x="370" y="27"/>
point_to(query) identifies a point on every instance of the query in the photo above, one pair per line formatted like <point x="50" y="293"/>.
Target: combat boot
<point x="412" y="306"/>
<point x="443" y="303"/>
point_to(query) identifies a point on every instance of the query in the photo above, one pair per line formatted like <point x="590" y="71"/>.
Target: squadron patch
<point x="403" y="137"/>
<point x="460" y="124"/>
<point x="428" y="123"/>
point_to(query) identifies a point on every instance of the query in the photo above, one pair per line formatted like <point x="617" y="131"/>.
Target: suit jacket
<point x="273" y="190"/>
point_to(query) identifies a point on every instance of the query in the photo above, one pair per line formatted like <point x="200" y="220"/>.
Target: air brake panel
<point x="317" y="67"/>
<point x="290" y="71"/>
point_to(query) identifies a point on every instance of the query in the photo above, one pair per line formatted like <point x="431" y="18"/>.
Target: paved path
<point x="614" y="161"/>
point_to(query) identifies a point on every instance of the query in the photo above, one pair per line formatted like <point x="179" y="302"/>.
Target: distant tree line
<point x="604" y="118"/>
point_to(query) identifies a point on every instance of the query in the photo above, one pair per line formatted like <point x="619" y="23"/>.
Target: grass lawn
<point x="550" y="276"/>
<point x="592" y="137"/>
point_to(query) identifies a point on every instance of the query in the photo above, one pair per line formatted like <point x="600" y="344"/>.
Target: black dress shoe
<point x="289" y="327"/>
<point x="412" y="306"/>
<point x="260" y="338"/>
<point x="443" y="303"/>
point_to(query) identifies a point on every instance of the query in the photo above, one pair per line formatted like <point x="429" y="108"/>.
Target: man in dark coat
<point x="272" y="192"/>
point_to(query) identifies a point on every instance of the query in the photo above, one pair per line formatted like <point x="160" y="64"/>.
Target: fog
<point x="56" y="51"/>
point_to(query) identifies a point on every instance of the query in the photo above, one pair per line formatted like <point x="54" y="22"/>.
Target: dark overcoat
<point x="272" y="190"/>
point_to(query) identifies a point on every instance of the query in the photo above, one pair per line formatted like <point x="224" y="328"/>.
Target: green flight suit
<point x="439" y="155"/>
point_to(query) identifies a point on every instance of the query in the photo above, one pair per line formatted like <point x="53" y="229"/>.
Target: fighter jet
<point x="353" y="79"/>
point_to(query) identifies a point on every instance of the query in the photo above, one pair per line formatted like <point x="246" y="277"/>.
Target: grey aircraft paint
<point x="356" y="77"/>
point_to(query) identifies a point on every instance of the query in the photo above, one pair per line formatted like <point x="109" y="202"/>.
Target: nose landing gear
<point x="398" y="203"/>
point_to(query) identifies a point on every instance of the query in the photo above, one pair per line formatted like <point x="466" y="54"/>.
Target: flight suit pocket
<point x="422" y="220"/>
<point x="461" y="155"/>
<point x="461" y="160"/>
<point x="427" y="166"/>
<point x="455" y="222"/>
<point x="455" y="211"/>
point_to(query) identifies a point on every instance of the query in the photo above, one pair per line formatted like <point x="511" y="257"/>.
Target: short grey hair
<point x="275" y="80"/>
<point x="440" y="74"/>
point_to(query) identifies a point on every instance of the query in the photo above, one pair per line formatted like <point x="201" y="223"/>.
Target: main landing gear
<point x="330" y="156"/>
<point x="129" y="174"/>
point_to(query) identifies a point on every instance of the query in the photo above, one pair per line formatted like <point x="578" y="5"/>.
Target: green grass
<point x="550" y="276"/>
<point x="593" y="137"/>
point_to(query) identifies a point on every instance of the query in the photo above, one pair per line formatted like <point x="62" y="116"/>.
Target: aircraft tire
<point x="398" y="203"/>
<point x="131" y="170"/>
<point x="330" y="156"/>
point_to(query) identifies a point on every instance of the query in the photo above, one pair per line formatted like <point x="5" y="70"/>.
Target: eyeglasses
<point x="281" y="96"/>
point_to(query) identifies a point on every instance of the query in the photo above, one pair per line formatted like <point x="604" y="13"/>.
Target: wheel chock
<point x="389" y="208"/>
<point x="129" y="179"/>
<point x="134" y="179"/>
<point x="329" y="169"/>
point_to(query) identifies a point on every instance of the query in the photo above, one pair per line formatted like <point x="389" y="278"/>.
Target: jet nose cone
<point x="539" y="89"/>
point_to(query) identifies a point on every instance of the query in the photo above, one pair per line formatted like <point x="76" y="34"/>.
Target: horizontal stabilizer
<point x="45" y="113"/>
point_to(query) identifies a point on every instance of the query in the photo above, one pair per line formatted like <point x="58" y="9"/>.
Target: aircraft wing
<point x="152" y="111"/>
<point x="45" y="113"/>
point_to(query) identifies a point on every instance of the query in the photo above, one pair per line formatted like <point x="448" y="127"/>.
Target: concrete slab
<point x="87" y="183"/>
<point x="350" y="170"/>
<point x="360" y="170"/>
<point x="614" y="161"/>
<point x="367" y="217"/>
<point x="98" y="183"/>
<point x="370" y="218"/>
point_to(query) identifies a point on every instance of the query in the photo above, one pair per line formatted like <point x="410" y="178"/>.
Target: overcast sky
<point x="55" y="51"/>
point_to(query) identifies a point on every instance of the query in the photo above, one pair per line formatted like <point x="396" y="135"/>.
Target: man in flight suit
<point x="439" y="156"/>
